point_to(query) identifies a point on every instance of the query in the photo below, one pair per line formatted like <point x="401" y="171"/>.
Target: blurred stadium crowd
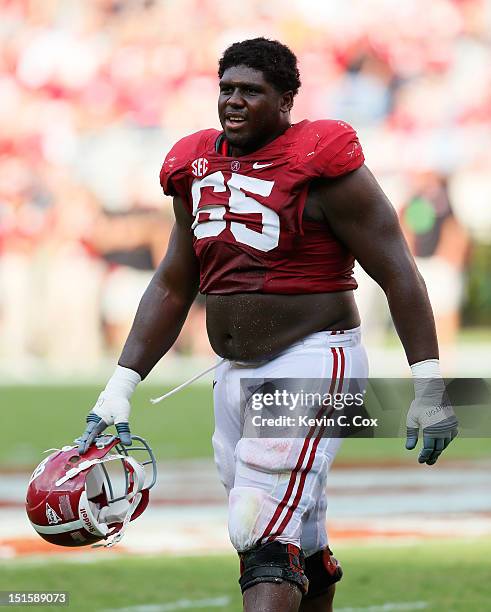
<point x="93" y="94"/>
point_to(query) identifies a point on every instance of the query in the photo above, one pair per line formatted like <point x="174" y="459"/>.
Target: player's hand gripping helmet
<point x="72" y="500"/>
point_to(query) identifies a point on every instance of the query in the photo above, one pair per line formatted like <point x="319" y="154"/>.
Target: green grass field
<point x="451" y="576"/>
<point x="446" y="575"/>
<point x="33" y="419"/>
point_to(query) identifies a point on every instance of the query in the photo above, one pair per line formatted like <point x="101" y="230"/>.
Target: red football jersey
<point x="248" y="230"/>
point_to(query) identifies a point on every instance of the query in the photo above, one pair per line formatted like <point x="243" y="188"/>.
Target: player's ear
<point x="286" y="101"/>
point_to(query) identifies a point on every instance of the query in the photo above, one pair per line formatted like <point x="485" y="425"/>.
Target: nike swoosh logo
<point x="258" y="166"/>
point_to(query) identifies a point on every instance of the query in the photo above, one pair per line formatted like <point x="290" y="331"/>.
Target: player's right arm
<point x="166" y="301"/>
<point x="158" y="322"/>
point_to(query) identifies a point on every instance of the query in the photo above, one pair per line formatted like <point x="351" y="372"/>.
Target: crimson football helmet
<point x="72" y="499"/>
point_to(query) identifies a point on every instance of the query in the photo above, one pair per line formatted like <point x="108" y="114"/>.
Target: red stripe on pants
<point x="293" y="476"/>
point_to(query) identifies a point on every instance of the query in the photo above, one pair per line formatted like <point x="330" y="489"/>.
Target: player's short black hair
<point x="274" y="59"/>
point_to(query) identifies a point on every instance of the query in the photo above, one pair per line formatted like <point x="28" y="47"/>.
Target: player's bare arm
<point x="158" y="321"/>
<point x="166" y="302"/>
<point x="363" y="219"/>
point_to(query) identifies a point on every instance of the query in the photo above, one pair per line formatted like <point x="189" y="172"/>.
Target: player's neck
<point x="240" y="151"/>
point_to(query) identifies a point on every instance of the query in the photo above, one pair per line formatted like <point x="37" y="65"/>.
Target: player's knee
<point x="322" y="571"/>
<point x="245" y="504"/>
<point x="273" y="562"/>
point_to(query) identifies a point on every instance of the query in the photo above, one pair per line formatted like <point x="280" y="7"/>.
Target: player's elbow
<point x="405" y="283"/>
<point x="181" y="294"/>
<point x="165" y="289"/>
<point x="398" y="273"/>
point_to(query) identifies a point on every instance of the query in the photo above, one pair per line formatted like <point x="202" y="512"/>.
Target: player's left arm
<point x="364" y="220"/>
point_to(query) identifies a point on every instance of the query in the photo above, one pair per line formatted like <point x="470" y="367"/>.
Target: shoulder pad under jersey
<point x="328" y="148"/>
<point x="181" y="156"/>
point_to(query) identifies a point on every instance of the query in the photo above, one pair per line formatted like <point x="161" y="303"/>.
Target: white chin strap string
<point x="183" y="385"/>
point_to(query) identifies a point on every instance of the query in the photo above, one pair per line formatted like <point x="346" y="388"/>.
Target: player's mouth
<point x="234" y="121"/>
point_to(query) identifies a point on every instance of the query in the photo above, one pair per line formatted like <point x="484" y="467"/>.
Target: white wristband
<point x="429" y="368"/>
<point x="123" y="382"/>
<point x="422" y="372"/>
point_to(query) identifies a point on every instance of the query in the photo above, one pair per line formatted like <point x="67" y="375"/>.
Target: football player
<point x="269" y="218"/>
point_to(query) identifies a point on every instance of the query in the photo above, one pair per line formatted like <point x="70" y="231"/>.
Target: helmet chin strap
<point x="135" y="496"/>
<point x="118" y="536"/>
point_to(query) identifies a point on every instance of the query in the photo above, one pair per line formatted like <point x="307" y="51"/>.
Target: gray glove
<point x="431" y="412"/>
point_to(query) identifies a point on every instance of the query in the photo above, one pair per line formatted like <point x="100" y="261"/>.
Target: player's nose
<point x="236" y="100"/>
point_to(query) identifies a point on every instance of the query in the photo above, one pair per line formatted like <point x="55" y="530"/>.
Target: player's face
<point x="252" y="112"/>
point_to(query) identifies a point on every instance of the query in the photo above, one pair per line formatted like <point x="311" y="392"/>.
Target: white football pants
<point x="277" y="486"/>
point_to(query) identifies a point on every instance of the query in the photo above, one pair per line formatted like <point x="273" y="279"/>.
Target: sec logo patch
<point x="200" y="167"/>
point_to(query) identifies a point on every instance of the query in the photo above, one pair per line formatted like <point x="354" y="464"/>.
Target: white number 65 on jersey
<point x="238" y="203"/>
